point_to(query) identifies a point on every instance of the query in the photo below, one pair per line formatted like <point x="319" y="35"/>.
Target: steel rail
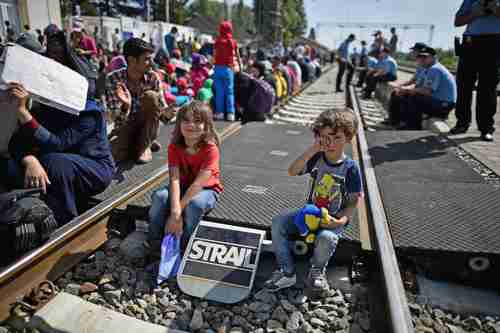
<point x="73" y="242"/>
<point x="399" y="313"/>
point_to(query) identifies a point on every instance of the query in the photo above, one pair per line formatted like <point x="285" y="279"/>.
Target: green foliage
<point x="241" y="15"/>
<point x="294" y="20"/>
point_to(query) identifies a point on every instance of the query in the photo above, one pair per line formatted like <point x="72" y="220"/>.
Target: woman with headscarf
<point x="225" y="51"/>
<point x="67" y="155"/>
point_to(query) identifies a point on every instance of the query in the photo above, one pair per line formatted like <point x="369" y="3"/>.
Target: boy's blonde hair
<point x="339" y="120"/>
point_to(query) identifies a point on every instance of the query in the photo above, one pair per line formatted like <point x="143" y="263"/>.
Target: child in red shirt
<point x="225" y="50"/>
<point x="193" y="160"/>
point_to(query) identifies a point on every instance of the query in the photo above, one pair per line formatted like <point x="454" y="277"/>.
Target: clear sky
<point x="438" y="12"/>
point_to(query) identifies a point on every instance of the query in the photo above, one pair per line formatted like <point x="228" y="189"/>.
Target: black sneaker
<point x="488" y="137"/>
<point x="459" y="130"/>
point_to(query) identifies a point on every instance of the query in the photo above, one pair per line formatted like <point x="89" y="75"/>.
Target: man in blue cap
<point x="435" y="96"/>
<point x="385" y="71"/>
<point x="402" y="91"/>
<point x="479" y="60"/>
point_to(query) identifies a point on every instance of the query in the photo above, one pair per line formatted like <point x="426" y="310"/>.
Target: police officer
<point x="402" y="91"/>
<point x="479" y="59"/>
<point x="385" y="71"/>
<point x="345" y="61"/>
<point x="437" y="95"/>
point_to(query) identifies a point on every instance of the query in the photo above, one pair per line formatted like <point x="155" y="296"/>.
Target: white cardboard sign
<point x="46" y="80"/>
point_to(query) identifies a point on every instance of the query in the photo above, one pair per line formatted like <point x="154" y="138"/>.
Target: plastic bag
<point x="170" y="258"/>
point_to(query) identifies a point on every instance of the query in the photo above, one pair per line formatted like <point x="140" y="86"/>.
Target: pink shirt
<point x="87" y="43"/>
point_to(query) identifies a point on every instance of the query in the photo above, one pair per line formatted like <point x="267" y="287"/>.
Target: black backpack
<point x="25" y="223"/>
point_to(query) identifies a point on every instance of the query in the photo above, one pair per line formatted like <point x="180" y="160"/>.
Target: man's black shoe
<point x="459" y="130"/>
<point x="488" y="137"/>
<point x="339" y="90"/>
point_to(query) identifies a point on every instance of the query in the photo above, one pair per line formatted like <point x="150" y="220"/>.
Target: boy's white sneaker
<point x="230" y="117"/>
<point x="219" y="116"/>
<point x="280" y="281"/>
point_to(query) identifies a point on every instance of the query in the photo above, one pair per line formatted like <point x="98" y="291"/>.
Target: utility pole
<point x="167" y="11"/>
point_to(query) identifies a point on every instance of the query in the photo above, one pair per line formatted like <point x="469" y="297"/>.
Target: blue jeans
<point x="283" y="229"/>
<point x="224" y="89"/>
<point x="192" y="214"/>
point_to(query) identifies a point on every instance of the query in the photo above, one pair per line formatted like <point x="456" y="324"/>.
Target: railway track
<point x="74" y="242"/>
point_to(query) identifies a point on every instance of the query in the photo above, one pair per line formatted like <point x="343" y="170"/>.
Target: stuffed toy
<point x="308" y="221"/>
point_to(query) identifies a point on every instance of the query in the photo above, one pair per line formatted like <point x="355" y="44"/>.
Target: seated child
<point x="337" y="186"/>
<point x="193" y="160"/>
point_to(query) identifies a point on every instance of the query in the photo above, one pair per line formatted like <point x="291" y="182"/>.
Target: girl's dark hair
<point x="201" y="111"/>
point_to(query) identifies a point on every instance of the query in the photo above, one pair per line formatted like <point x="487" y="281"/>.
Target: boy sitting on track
<point x="336" y="186"/>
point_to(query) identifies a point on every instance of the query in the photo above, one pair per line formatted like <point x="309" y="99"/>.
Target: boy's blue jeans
<point x="283" y="229"/>
<point x="192" y="214"/>
<point x="224" y="89"/>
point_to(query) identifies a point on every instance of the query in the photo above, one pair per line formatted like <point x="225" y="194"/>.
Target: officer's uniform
<point x="479" y="60"/>
<point x="389" y="65"/>
<point x="370" y="63"/>
<point x="397" y="103"/>
<point x="444" y="95"/>
<point x="344" y="54"/>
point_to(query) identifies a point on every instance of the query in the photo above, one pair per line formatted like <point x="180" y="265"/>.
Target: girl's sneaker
<point x="230" y="117"/>
<point x="280" y="281"/>
<point x="218" y="116"/>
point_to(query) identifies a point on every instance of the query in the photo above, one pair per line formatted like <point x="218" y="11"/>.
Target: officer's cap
<point x="418" y="46"/>
<point x="426" y="51"/>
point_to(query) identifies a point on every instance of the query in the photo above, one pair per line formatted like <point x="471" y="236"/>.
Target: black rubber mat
<point x="461" y="217"/>
<point x="267" y="146"/>
<point x="417" y="156"/>
<point x="253" y="196"/>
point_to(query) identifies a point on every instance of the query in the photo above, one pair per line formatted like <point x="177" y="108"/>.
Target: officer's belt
<point x="482" y="38"/>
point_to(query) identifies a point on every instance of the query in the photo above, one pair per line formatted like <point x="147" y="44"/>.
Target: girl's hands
<point x="174" y="225"/>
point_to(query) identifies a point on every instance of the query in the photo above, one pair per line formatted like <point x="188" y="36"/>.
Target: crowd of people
<point x="434" y="92"/>
<point x="135" y="87"/>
